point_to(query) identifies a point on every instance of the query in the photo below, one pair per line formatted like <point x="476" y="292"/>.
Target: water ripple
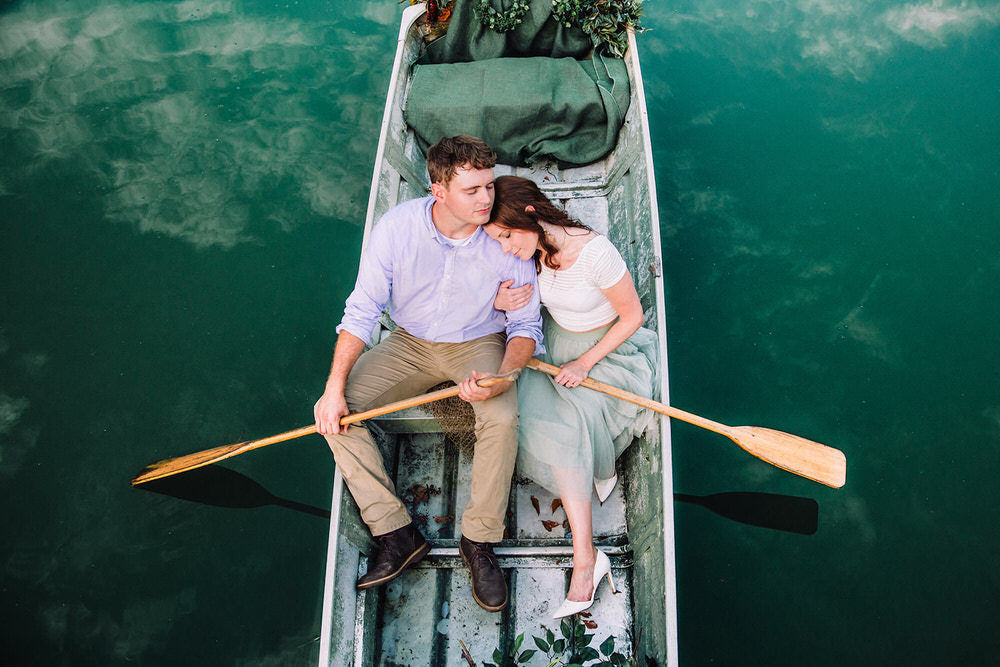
<point x="196" y="121"/>
<point x="847" y="38"/>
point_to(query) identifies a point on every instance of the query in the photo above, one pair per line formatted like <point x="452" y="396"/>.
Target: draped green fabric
<point x="538" y="35"/>
<point x="533" y="94"/>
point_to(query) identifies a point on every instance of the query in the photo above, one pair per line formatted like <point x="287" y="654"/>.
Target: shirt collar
<point x="441" y="238"/>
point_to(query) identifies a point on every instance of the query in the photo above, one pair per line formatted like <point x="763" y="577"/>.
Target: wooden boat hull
<point x="428" y="616"/>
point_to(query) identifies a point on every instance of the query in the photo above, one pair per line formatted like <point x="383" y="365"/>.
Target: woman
<point x="569" y="437"/>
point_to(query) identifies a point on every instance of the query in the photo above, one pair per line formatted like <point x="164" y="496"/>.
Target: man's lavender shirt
<point x="434" y="290"/>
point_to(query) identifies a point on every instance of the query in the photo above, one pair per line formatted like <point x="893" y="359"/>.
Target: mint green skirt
<point x="570" y="437"/>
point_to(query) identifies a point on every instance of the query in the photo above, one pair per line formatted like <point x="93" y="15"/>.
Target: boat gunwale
<point x="666" y="448"/>
<point x="410" y="16"/>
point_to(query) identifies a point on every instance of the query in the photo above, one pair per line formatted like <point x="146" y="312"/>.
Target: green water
<point x="181" y="192"/>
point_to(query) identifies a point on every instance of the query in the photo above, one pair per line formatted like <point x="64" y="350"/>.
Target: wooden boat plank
<point x="409" y="618"/>
<point x="429" y="608"/>
<point x="592" y="209"/>
<point x="411" y="420"/>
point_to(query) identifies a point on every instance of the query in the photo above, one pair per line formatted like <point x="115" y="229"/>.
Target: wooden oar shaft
<point x="360" y="416"/>
<point x="180" y="464"/>
<point x="656" y="406"/>
<point x="795" y="454"/>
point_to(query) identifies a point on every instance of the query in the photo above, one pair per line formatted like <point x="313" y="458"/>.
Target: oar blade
<point x="168" y="467"/>
<point x="806" y="458"/>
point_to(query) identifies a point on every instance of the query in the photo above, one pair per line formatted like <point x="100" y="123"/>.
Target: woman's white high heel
<point x="602" y="568"/>
<point x="604" y="487"/>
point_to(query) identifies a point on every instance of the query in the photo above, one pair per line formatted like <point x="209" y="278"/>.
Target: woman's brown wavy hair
<point x="513" y="195"/>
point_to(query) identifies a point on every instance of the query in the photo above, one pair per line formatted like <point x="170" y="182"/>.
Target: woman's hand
<point x="512" y="299"/>
<point x="572" y="373"/>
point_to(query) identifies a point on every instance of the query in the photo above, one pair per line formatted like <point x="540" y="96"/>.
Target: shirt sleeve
<point x="608" y="266"/>
<point x="372" y="288"/>
<point x="526" y="321"/>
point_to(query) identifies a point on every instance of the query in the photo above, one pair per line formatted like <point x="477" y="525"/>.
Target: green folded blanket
<point x="526" y="109"/>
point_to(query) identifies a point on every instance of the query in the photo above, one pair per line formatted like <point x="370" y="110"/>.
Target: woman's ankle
<point x="584" y="557"/>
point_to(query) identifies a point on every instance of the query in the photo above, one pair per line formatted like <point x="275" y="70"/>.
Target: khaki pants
<point x="402" y="366"/>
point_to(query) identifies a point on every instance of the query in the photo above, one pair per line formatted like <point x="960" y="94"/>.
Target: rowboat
<point x="427" y="616"/>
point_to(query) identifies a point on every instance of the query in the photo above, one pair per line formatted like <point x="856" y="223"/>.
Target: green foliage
<point x="504" y="20"/>
<point x="569" y="12"/>
<point x="571" y="649"/>
<point x="607" y="21"/>
<point x="513" y="656"/>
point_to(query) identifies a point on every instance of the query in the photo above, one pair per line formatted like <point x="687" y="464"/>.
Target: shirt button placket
<point x="449" y="261"/>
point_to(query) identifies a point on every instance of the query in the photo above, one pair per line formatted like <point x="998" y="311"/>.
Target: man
<point x="429" y="261"/>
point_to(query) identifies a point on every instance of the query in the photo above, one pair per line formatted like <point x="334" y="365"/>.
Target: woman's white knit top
<point x="573" y="296"/>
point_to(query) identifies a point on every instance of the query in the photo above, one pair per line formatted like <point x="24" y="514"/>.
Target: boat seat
<point x="411" y="420"/>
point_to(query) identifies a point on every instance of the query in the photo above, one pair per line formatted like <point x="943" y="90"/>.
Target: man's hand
<point x="519" y="350"/>
<point x="328" y="410"/>
<point x="468" y="390"/>
<point x="331" y="406"/>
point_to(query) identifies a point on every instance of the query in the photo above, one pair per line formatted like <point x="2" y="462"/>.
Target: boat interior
<point x="428" y="616"/>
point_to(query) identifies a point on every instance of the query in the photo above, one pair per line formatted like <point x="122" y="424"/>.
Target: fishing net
<point x="456" y="419"/>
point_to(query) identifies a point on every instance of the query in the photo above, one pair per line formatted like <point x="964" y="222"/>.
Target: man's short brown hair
<point x="446" y="156"/>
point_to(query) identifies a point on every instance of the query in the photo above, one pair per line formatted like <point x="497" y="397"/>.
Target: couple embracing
<point x="463" y="273"/>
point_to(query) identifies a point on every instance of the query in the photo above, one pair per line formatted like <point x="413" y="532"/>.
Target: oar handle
<point x="662" y="408"/>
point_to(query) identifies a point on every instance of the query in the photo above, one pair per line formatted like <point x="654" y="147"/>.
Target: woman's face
<point x="514" y="241"/>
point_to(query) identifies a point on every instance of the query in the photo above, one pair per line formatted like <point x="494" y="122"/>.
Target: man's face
<point x="468" y="196"/>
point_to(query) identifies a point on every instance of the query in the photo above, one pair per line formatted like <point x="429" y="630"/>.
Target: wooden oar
<point x="805" y="458"/>
<point x="180" y="464"/>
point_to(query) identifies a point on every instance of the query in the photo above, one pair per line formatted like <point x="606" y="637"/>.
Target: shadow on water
<point x="222" y="487"/>
<point x="765" y="510"/>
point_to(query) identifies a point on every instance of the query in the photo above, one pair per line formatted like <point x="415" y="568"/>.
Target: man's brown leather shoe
<point x="488" y="585"/>
<point x="398" y="550"/>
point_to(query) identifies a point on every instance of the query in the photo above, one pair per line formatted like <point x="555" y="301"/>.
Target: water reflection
<point x="222" y="487"/>
<point x="861" y="327"/>
<point x="17" y="436"/>
<point x="195" y="120"/>
<point x="16" y="441"/>
<point x="845" y="37"/>
<point x="764" y="510"/>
